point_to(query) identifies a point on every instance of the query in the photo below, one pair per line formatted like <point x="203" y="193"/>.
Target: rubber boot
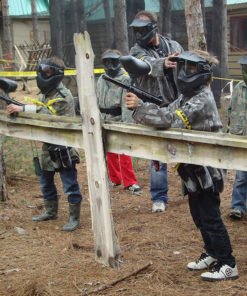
<point x="74" y="217"/>
<point x="51" y="207"/>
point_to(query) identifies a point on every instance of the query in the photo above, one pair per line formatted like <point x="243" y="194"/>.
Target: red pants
<point x="123" y="167"/>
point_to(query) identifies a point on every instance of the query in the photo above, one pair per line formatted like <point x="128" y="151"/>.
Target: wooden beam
<point x="107" y="249"/>
<point x="175" y="145"/>
<point x="172" y="145"/>
<point x="45" y="128"/>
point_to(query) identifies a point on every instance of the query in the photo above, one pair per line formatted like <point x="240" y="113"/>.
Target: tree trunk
<point x="194" y="24"/>
<point x="165" y="17"/>
<point x="7" y="36"/>
<point x="224" y="44"/>
<point x="56" y="22"/>
<point x="35" y="21"/>
<point x="3" y="190"/>
<point x="204" y="18"/>
<point x="219" y="46"/>
<point x="109" y="29"/>
<point x="133" y="6"/>
<point x="81" y="16"/>
<point x="120" y="26"/>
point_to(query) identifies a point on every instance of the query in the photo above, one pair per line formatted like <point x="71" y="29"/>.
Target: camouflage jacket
<point x="60" y="102"/>
<point x="111" y="96"/>
<point x="159" y="81"/>
<point x="237" y="111"/>
<point x="198" y="112"/>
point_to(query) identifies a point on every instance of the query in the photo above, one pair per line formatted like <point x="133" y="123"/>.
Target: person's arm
<point x="157" y="65"/>
<point x="150" y="114"/>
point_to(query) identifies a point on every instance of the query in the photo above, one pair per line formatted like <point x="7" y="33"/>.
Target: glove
<point x="156" y="165"/>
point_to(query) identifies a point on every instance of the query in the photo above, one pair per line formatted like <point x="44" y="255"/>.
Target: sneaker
<point x="220" y="272"/>
<point x="204" y="262"/>
<point x="134" y="189"/>
<point x="236" y="214"/>
<point x="158" y="207"/>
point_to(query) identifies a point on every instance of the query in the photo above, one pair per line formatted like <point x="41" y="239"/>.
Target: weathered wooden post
<point x="106" y="243"/>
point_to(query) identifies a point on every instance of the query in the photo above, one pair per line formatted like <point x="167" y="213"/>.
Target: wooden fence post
<point x="107" y="248"/>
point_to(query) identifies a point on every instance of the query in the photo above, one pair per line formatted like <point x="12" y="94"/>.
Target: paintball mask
<point x="144" y="31"/>
<point x="49" y="75"/>
<point x="243" y="63"/>
<point x="111" y="63"/>
<point x="193" y="71"/>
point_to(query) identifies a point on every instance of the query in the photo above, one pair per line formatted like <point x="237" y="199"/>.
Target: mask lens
<point x="190" y="68"/>
<point x="46" y="70"/>
<point x="141" y="30"/>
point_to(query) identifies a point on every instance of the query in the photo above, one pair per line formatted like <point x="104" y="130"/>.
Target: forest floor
<point x="44" y="261"/>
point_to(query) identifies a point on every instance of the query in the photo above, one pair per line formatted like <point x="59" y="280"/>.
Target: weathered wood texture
<point x="171" y="145"/>
<point x="107" y="249"/>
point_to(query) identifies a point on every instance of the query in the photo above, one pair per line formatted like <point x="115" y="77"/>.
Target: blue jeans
<point x="205" y="211"/>
<point x="239" y="193"/>
<point x="70" y="185"/>
<point x="159" y="184"/>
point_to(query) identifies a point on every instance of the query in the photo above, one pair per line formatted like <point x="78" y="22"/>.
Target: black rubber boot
<point x="74" y="217"/>
<point x="51" y="207"/>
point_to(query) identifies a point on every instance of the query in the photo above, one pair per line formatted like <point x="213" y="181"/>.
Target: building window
<point x="238" y="36"/>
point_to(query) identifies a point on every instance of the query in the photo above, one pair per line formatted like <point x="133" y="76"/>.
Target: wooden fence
<point x="89" y="133"/>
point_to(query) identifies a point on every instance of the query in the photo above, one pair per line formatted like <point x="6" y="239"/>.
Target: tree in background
<point x="8" y="49"/>
<point x="56" y="25"/>
<point x="82" y="24"/>
<point x="7" y="37"/>
<point x="165" y="17"/>
<point x="35" y="21"/>
<point x="194" y="25"/>
<point x="219" y="46"/>
<point x="108" y="21"/>
<point x="133" y="7"/>
<point x="120" y="26"/>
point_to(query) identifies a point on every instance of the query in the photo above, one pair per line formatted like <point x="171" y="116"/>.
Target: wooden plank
<point x="107" y="249"/>
<point x="58" y="130"/>
<point x="171" y="145"/>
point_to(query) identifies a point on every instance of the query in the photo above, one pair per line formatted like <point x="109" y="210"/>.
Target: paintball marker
<point x="8" y="86"/>
<point x="141" y="94"/>
<point x="135" y="68"/>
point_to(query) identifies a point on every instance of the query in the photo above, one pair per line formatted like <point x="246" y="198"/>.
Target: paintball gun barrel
<point x="141" y="94"/>
<point x="8" y="86"/>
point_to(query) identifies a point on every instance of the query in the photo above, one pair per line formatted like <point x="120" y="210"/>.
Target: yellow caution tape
<point x="34" y="73"/>
<point x="227" y="79"/>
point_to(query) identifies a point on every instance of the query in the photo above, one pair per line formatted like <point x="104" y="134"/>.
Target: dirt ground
<point x="46" y="261"/>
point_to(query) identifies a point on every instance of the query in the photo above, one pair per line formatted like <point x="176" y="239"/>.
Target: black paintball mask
<point x="192" y="72"/>
<point x="243" y="63"/>
<point x="49" y="75"/>
<point x="111" y="63"/>
<point x="144" y="31"/>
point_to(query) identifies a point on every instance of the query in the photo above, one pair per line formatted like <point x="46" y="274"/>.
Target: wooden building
<point x="237" y="36"/>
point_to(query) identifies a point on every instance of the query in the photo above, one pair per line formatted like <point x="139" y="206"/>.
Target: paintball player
<point x="112" y="107"/>
<point x="195" y="109"/>
<point x="237" y="116"/>
<point x="55" y="99"/>
<point x="156" y="50"/>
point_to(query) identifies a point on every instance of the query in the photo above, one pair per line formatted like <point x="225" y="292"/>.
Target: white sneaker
<point x="134" y="189"/>
<point x="158" y="207"/>
<point x="204" y="262"/>
<point x="220" y="272"/>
